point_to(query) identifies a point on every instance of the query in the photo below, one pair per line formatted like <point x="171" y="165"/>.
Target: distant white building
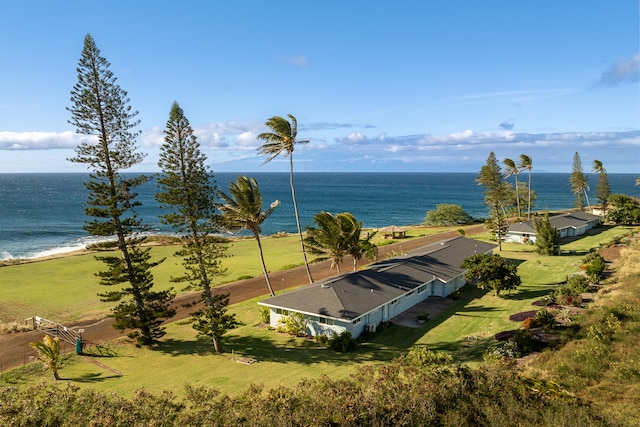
<point x="569" y="225"/>
<point x="359" y="301"/>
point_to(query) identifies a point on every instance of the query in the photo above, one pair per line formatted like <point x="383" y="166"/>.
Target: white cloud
<point x="247" y="140"/>
<point x="39" y="140"/>
<point x="623" y="71"/>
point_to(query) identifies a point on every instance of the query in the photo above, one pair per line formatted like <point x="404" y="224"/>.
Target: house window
<point x="394" y="302"/>
<point x="356" y="321"/>
<point x="408" y="294"/>
<point x="325" y="321"/>
<point x="422" y="288"/>
<point x="282" y="312"/>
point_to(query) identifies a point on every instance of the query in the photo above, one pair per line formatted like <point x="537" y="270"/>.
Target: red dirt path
<point x="15" y="349"/>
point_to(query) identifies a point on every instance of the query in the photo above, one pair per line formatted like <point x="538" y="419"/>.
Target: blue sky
<point x="424" y="86"/>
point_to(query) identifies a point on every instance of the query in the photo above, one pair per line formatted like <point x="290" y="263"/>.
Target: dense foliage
<point x="447" y="214"/>
<point x="335" y="237"/>
<point x="187" y="193"/>
<point x="491" y="271"/>
<point x="100" y="111"/>
<point x="417" y="390"/>
<point x="624" y="209"/>
<point x="547" y="237"/>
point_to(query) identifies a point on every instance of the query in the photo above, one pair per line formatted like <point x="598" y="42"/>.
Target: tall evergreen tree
<point x="603" y="189"/>
<point x="496" y="194"/>
<point x="282" y="140"/>
<point x="100" y="110"/>
<point x="188" y="193"/>
<point x="547" y="237"/>
<point x="526" y="163"/>
<point x="579" y="183"/>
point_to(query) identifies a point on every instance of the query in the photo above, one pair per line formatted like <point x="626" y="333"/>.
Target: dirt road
<point x="15" y="349"/>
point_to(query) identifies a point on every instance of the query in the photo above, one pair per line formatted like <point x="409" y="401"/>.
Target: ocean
<point x="42" y="214"/>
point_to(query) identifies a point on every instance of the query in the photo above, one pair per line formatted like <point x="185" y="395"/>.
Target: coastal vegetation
<point x="404" y="381"/>
<point x="448" y="214"/>
<point x="579" y="182"/>
<point x="101" y="111"/>
<point x="496" y="192"/>
<point x="242" y="210"/>
<point x="188" y="196"/>
<point x="283" y="139"/>
<point x="337" y="236"/>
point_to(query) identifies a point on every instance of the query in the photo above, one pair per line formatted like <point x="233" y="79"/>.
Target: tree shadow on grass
<point x="534" y="294"/>
<point x="173" y="347"/>
<point x="91" y="378"/>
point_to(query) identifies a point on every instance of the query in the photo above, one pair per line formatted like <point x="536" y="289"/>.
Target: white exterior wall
<point x="381" y="314"/>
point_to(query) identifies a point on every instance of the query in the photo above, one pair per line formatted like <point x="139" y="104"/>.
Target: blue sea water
<point x="42" y="214"/>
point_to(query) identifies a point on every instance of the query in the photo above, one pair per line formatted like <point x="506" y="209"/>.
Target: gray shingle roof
<point x="353" y="294"/>
<point x="568" y="220"/>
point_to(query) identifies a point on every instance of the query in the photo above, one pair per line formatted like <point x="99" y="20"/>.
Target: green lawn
<point x="465" y="329"/>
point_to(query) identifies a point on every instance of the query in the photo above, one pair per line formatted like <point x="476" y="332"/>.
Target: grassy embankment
<point x="465" y="329"/>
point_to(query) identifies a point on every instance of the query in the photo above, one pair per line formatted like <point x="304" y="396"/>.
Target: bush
<point x="322" y="339"/>
<point x="529" y="323"/>
<point x="265" y="315"/>
<point x="578" y="283"/>
<point x="545" y="318"/>
<point x="294" y="324"/>
<point x="421" y="356"/>
<point x="343" y="342"/>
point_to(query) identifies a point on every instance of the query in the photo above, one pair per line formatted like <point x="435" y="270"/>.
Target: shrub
<point x="578" y="283"/>
<point x="523" y="340"/>
<point x="265" y="315"/>
<point x="595" y="269"/>
<point x="529" y="323"/>
<point x="545" y="318"/>
<point x="343" y="342"/>
<point x="294" y="324"/>
<point x="421" y="356"/>
<point x="322" y="339"/>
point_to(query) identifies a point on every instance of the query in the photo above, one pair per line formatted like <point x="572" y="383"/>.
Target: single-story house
<point x="569" y="225"/>
<point x="360" y="300"/>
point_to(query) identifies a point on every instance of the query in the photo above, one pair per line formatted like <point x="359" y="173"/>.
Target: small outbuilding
<point x="393" y="232"/>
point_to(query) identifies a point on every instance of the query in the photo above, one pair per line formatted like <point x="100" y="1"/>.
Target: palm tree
<point x="362" y="248"/>
<point x="603" y="189"/>
<point x="329" y="240"/>
<point x="49" y="353"/>
<point x="243" y="211"/>
<point x="512" y="169"/>
<point x="282" y="140"/>
<point x="526" y="163"/>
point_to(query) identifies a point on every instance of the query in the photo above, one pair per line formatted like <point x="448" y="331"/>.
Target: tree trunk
<point x="264" y="266"/>
<point x="295" y="208"/>
<point x="217" y="344"/>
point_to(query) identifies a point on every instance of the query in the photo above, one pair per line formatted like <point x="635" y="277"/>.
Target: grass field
<point x="465" y="329"/>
